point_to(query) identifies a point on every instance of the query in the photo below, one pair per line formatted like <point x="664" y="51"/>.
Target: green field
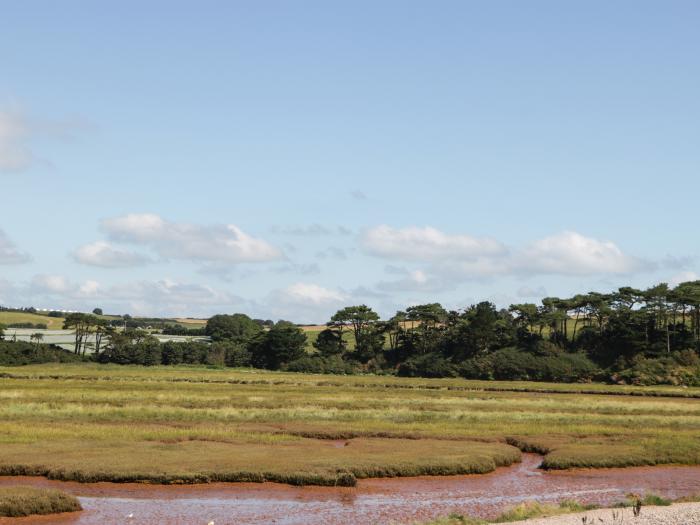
<point x="180" y="424"/>
<point x="52" y="323"/>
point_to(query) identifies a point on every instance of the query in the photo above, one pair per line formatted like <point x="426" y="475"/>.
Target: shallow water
<point x="380" y="501"/>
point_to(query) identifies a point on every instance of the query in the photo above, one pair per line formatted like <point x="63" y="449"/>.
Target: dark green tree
<point x="236" y="327"/>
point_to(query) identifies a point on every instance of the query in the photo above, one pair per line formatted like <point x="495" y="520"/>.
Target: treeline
<point x="22" y="353"/>
<point x="237" y="341"/>
<point x="631" y="336"/>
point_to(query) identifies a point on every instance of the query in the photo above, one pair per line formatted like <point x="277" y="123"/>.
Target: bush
<point x="320" y="365"/>
<point x="26" y="501"/>
<point x="687" y="358"/>
<point x="662" y="371"/>
<point x="172" y="353"/>
<point x="23" y="353"/>
<point x="568" y="368"/>
<point x="428" y="365"/>
<point x="517" y="365"/>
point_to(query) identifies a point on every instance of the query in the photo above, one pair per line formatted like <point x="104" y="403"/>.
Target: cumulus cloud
<point x="106" y="255"/>
<point x="683" y="277"/>
<point x="573" y="254"/>
<point x="426" y="244"/>
<point x="450" y="259"/>
<point x="313" y="293"/>
<point x="204" y="243"/>
<point x="50" y="284"/>
<point x="305" y="302"/>
<point x="9" y="253"/>
<point x="463" y="256"/>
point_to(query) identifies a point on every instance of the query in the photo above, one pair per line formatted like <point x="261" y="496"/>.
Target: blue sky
<point x="287" y="158"/>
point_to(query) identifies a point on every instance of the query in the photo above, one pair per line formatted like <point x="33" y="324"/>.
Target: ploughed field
<point x="186" y="425"/>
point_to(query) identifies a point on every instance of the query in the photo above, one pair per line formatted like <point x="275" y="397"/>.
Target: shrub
<point x="662" y="371"/>
<point x="320" y="365"/>
<point x="428" y="365"/>
<point x="518" y="365"/>
<point x="687" y="357"/>
<point x="26" y="501"/>
<point x="23" y="353"/>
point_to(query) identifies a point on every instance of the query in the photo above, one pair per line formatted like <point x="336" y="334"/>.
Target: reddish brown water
<point x="375" y="501"/>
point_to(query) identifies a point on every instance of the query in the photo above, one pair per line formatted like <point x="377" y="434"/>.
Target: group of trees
<point x="629" y="335"/>
<point x="236" y="340"/>
<point x="87" y="327"/>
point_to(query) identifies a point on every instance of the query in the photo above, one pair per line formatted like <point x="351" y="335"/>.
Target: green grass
<point x="52" y="323"/>
<point x="27" y="501"/>
<point x="534" y="509"/>
<point x="188" y="424"/>
<point x="523" y="511"/>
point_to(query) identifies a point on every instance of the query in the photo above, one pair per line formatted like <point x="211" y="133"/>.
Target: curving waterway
<point x="373" y="501"/>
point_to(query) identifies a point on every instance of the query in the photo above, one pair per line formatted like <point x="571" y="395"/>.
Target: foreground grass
<point x="89" y="422"/>
<point x="524" y="511"/>
<point x="26" y="501"/>
<point x="534" y="509"/>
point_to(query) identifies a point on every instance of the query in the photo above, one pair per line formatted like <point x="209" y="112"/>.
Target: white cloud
<point x="9" y="253"/>
<point x="313" y="293"/>
<point x="304" y="302"/>
<point x="106" y="255"/>
<point x="426" y="244"/>
<point x="162" y="297"/>
<point x="683" y="277"/>
<point x="50" y="284"/>
<point x="208" y="243"/>
<point x="571" y="253"/>
<point x="450" y="258"/>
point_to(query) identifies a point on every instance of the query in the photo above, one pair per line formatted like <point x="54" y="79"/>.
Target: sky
<point x="285" y="159"/>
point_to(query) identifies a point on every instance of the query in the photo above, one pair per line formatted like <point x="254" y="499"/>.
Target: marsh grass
<point x="26" y="501"/>
<point x="162" y="423"/>
<point x="523" y="511"/>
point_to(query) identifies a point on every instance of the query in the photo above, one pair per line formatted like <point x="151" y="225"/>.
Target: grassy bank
<point x="27" y="501"/>
<point x="89" y="422"/>
<point x="534" y="509"/>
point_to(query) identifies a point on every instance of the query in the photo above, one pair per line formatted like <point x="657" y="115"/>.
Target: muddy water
<point x="380" y="501"/>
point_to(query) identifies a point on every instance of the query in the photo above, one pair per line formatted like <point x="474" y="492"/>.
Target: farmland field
<point x="52" y="323"/>
<point x="181" y="424"/>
